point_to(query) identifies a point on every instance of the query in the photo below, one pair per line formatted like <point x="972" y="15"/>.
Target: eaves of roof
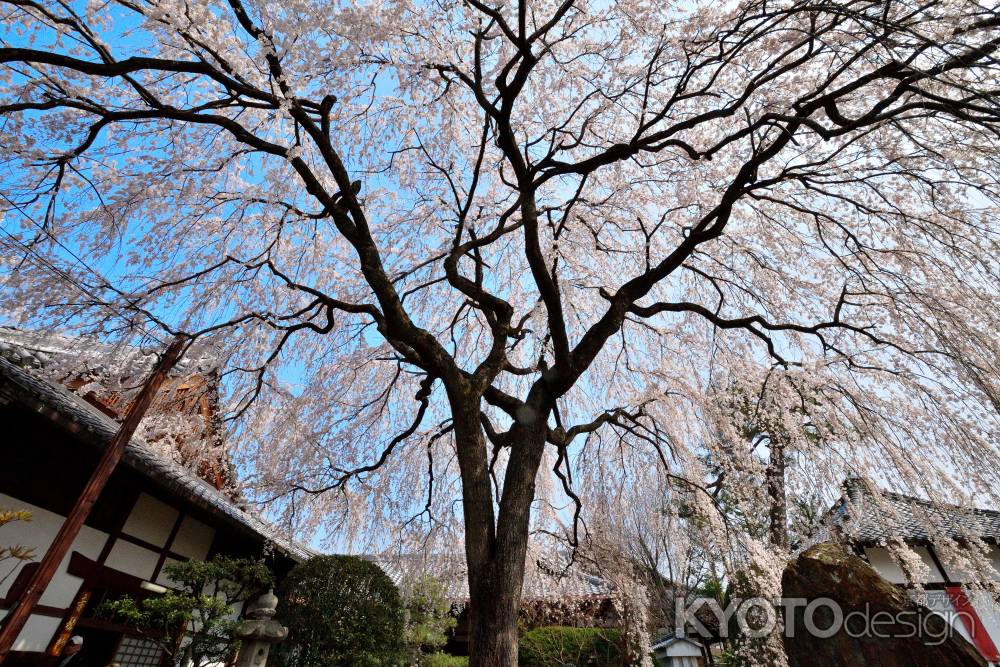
<point x="71" y="412"/>
<point x="866" y="515"/>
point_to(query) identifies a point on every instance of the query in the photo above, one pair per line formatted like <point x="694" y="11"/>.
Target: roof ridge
<point x="860" y="516"/>
<point x="935" y="504"/>
<point x="52" y="343"/>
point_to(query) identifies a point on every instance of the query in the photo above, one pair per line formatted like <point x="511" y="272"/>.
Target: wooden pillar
<point x="19" y="613"/>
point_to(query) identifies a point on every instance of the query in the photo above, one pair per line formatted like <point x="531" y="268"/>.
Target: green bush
<point x="341" y="611"/>
<point x="555" y="646"/>
<point x="428" y="618"/>
<point x="443" y="660"/>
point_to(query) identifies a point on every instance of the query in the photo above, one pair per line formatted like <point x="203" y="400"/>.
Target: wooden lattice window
<point x="137" y="652"/>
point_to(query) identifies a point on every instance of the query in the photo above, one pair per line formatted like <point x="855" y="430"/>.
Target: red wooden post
<point x="18" y="614"/>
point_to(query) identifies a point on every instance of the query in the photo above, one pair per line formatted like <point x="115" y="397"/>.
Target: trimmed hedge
<point x="555" y="646"/>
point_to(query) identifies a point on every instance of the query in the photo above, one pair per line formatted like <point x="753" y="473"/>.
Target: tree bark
<point x="496" y="537"/>
<point x="493" y="613"/>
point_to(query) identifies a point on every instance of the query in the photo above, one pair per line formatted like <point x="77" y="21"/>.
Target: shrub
<point x="203" y="597"/>
<point x="555" y="646"/>
<point x="443" y="660"/>
<point x="428" y="618"/>
<point x="341" y="611"/>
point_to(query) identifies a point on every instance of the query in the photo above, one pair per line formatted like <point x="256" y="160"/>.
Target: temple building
<point x="168" y="501"/>
<point x="868" y="520"/>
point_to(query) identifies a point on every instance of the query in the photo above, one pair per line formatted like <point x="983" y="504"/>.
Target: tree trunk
<point x="495" y="549"/>
<point x="493" y="612"/>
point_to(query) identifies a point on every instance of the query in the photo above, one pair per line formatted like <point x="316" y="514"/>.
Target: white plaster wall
<point x="885" y="565"/>
<point x="63" y="589"/>
<point x="193" y="539"/>
<point x="686" y="661"/>
<point x="964" y="573"/>
<point x="939" y="602"/>
<point x="989" y="613"/>
<point x="679" y="660"/>
<point x="151" y="520"/>
<point x="994" y="556"/>
<point x="683" y="649"/>
<point x="38" y="534"/>
<point x="36" y="633"/>
<point x="889" y="569"/>
<point x="935" y="575"/>
<point x="162" y="579"/>
<point x="132" y="559"/>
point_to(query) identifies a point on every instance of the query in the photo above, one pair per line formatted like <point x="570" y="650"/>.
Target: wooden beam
<point x="17" y="617"/>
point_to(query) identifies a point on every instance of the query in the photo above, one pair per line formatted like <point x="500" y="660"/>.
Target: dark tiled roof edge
<point x="72" y="412"/>
<point x="859" y="517"/>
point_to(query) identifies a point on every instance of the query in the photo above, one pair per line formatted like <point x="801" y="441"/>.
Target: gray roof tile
<point x="541" y="581"/>
<point x="867" y="514"/>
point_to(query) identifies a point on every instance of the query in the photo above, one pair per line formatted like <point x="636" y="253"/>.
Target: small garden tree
<point x="202" y="601"/>
<point x="341" y="611"/>
<point x="428" y="619"/>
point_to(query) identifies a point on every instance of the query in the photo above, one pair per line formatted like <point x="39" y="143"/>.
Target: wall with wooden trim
<point x="153" y="534"/>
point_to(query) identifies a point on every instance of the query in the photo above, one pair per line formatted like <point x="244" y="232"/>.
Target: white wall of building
<point x="883" y="562"/>
<point x="150" y="521"/>
<point x="966" y="571"/>
<point x="681" y="653"/>
<point x="193" y="540"/>
<point x="885" y="565"/>
<point x="939" y="602"/>
<point x="995" y="557"/>
<point x="38" y="535"/>
<point x="683" y="649"/>
<point x="988" y="610"/>
<point x="36" y="633"/>
<point x="132" y="559"/>
<point x="985" y="605"/>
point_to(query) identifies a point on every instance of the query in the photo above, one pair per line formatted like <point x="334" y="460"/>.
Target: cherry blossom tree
<point x="473" y="251"/>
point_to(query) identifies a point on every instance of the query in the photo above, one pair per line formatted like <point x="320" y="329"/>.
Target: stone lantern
<point x="259" y="631"/>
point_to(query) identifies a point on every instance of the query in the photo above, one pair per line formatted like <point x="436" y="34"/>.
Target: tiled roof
<point x="540" y="581"/>
<point x="70" y="410"/>
<point x="35" y="348"/>
<point x="867" y="514"/>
